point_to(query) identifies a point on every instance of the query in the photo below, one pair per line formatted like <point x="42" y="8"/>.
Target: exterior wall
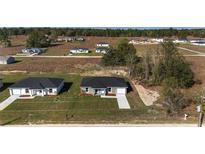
<point x="92" y="90"/>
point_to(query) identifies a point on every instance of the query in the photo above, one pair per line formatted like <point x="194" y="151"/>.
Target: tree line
<point x="157" y="33"/>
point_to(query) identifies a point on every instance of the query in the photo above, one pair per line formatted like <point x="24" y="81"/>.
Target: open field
<point x="69" y="65"/>
<point x="71" y="107"/>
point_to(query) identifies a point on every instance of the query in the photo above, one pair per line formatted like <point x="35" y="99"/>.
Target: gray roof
<point x="103" y="82"/>
<point x="38" y="83"/>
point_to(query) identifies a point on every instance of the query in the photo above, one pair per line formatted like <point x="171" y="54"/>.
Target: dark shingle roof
<point x="103" y="82"/>
<point x="38" y="83"/>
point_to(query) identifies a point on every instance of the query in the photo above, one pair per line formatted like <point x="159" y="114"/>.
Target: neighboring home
<point x="200" y="42"/>
<point x="180" y="41"/>
<point x="102" y="50"/>
<point x="6" y="59"/>
<point x="79" y="50"/>
<point x="80" y="39"/>
<point x="103" y="86"/>
<point x="69" y="39"/>
<point x="32" y="51"/>
<point x="103" y="44"/>
<point x="157" y="40"/>
<point x="37" y="86"/>
<point x="73" y="38"/>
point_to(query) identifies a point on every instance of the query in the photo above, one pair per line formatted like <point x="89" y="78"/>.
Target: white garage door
<point x="121" y="91"/>
<point x="16" y="91"/>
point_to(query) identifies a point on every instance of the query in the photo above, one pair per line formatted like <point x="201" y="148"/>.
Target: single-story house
<point x="103" y="44"/>
<point x="80" y="39"/>
<point x="102" y="50"/>
<point x="37" y="86"/>
<point x="200" y="42"/>
<point x="69" y="39"/>
<point x="79" y="50"/>
<point x="180" y="41"/>
<point x="32" y="51"/>
<point x="6" y="59"/>
<point x="103" y="86"/>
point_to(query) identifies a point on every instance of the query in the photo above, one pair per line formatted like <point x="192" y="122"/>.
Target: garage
<point x="121" y="91"/>
<point x="15" y="91"/>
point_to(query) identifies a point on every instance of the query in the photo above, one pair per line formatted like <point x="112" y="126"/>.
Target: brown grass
<point x="68" y="65"/>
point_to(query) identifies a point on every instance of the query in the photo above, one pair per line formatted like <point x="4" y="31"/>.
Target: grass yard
<point x="71" y="107"/>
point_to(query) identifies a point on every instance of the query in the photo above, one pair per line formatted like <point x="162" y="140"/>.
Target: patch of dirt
<point x="147" y="96"/>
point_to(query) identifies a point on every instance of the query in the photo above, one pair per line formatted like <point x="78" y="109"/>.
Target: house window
<point x="40" y="91"/>
<point x="109" y="89"/>
<point x="86" y="89"/>
<point x="27" y="90"/>
<point x="50" y="90"/>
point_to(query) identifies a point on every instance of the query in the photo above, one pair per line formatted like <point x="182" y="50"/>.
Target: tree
<point x="123" y="55"/>
<point x="172" y="64"/>
<point x="174" y="100"/>
<point x="37" y="39"/>
<point x="4" y="37"/>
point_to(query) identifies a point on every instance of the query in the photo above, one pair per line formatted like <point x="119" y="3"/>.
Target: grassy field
<point x="71" y="107"/>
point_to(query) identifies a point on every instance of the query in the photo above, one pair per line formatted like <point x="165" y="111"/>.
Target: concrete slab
<point x="122" y="102"/>
<point x="8" y="101"/>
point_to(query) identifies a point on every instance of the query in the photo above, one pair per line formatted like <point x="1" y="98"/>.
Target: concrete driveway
<point x="8" y="101"/>
<point x="122" y="101"/>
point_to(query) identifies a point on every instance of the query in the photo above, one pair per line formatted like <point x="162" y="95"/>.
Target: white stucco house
<point x="37" y="86"/>
<point x="79" y="50"/>
<point x="180" y="41"/>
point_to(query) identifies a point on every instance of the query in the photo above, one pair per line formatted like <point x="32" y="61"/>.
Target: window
<point x="50" y="90"/>
<point x="27" y="90"/>
<point x="109" y="89"/>
<point x="86" y="89"/>
<point x="40" y="91"/>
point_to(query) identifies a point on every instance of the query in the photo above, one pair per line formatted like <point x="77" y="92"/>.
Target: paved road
<point x="40" y="56"/>
<point x="193" y="51"/>
<point x="106" y="125"/>
<point x="122" y="102"/>
<point x="8" y="101"/>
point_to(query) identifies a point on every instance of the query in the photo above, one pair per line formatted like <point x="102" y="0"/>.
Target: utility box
<point x="198" y="108"/>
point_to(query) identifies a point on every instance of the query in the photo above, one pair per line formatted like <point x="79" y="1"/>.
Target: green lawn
<point x="71" y="107"/>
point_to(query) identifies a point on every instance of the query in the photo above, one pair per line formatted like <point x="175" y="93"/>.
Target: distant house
<point x="199" y="42"/>
<point x="102" y="50"/>
<point x="103" y="86"/>
<point x="36" y="51"/>
<point x="6" y="59"/>
<point x="80" y="39"/>
<point x="103" y="44"/>
<point x="79" y="50"/>
<point x="180" y="41"/>
<point x="73" y="38"/>
<point x="37" y="86"/>
<point x="69" y="39"/>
